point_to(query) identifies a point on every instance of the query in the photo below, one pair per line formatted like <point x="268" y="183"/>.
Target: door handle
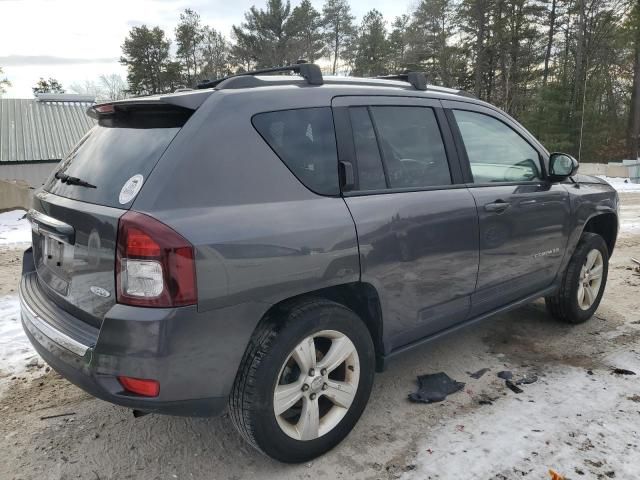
<point x="498" y="206"/>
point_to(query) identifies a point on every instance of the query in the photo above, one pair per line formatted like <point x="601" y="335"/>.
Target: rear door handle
<point x="498" y="206"/>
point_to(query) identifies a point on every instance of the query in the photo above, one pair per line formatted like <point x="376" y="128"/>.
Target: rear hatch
<point x="75" y="214"/>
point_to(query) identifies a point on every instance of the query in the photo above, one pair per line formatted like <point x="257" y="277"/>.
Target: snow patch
<point x="14" y="229"/>
<point x="569" y="419"/>
<point x="16" y="351"/>
<point x="621" y="184"/>
<point x="629" y="218"/>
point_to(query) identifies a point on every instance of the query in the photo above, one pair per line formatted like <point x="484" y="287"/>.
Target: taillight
<point x="141" y="386"/>
<point x="155" y="265"/>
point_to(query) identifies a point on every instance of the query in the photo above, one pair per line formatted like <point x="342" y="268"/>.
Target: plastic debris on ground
<point x="434" y="388"/>
<point x="514" y="384"/>
<point x="479" y="373"/>
<point x="623" y="371"/>
<point x="555" y="475"/>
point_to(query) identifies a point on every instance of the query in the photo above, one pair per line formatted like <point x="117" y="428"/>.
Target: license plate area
<point x="54" y="261"/>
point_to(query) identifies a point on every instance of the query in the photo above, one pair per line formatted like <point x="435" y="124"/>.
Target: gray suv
<point x="265" y="243"/>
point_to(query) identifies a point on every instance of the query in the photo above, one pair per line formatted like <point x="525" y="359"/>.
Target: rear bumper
<point x="192" y="355"/>
<point x="76" y="370"/>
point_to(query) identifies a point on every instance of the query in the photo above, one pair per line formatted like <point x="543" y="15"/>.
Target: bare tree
<point x="215" y="54"/>
<point x="89" y="87"/>
<point x="4" y="82"/>
<point x="114" y="87"/>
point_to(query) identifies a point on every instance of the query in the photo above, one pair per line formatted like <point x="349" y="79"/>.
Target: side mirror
<point x="561" y="166"/>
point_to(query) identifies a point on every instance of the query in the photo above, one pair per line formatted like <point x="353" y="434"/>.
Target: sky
<point x="78" y="40"/>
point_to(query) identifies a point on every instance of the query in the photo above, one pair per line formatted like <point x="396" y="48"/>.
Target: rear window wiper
<point x="69" y="180"/>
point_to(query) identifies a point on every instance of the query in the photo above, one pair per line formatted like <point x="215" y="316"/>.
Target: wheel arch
<point x="605" y="225"/>
<point x="361" y="297"/>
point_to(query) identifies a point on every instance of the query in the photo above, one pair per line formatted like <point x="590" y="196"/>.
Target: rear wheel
<point x="304" y="381"/>
<point x="583" y="283"/>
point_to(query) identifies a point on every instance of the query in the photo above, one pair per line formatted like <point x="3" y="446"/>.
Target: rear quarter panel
<point x="260" y="235"/>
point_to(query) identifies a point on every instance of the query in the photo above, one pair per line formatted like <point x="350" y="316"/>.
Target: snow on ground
<point x="508" y="438"/>
<point x="630" y="221"/>
<point x="16" y="353"/>
<point x="14" y="229"/>
<point x="621" y="184"/>
<point x="629" y="212"/>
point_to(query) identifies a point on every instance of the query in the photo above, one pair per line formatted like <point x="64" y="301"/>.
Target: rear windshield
<point x="111" y="154"/>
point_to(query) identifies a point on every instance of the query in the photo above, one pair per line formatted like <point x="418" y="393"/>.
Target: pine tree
<point x="339" y="30"/>
<point x="372" y="46"/>
<point x="265" y="37"/>
<point x="189" y="36"/>
<point x="216" y="55"/>
<point x="48" y="86"/>
<point x="431" y="34"/>
<point x="149" y="66"/>
<point x="399" y="40"/>
<point x="305" y="31"/>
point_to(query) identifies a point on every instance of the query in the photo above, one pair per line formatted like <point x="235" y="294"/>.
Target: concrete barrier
<point x="593" y="168"/>
<point x="15" y="194"/>
<point x="617" y="170"/>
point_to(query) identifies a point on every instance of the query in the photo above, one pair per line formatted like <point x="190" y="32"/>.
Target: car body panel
<point x="411" y="243"/>
<point x="521" y="248"/>
<point x="261" y="237"/>
<point x="85" y="261"/>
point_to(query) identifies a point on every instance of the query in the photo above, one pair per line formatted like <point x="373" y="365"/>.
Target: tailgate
<point x="74" y="248"/>
<point x="75" y="215"/>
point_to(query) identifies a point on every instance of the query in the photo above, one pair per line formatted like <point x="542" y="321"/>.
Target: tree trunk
<point x="502" y="59"/>
<point x="547" y="54"/>
<point x="579" y="69"/>
<point x="443" y="54"/>
<point x="336" y="47"/>
<point x="579" y="77"/>
<point x="480" y="18"/>
<point x="634" y="117"/>
<point x="517" y="20"/>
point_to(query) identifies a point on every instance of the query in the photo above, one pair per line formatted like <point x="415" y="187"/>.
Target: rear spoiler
<point x="175" y="102"/>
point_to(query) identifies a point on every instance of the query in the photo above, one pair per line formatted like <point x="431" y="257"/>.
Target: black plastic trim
<point x="309" y="71"/>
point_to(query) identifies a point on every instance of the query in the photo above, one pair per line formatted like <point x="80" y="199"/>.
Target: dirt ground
<point x="590" y="417"/>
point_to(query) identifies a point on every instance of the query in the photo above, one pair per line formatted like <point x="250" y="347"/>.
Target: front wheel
<point x="583" y="283"/>
<point x="304" y="381"/>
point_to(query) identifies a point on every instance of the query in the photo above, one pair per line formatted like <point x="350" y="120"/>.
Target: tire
<point x="270" y="362"/>
<point x="565" y="305"/>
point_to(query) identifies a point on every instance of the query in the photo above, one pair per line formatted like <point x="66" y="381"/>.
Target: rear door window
<point x="370" y="171"/>
<point x="304" y="139"/>
<point x="113" y="152"/>
<point x="412" y="147"/>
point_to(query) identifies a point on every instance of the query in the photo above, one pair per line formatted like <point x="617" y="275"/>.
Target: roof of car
<point x="281" y="84"/>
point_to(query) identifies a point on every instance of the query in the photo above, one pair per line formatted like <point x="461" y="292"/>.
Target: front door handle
<point x="498" y="206"/>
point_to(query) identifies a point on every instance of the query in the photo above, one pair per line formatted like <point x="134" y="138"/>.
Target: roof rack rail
<point x="309" y="71"/>
<point x="464" y="93"/>
<point x="417" y="79"/>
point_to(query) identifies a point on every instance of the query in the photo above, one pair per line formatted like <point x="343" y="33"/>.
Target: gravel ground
<point x="578" y="418"/>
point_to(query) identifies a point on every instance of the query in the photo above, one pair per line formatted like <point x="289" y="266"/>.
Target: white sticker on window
<point x="130" y="189"/>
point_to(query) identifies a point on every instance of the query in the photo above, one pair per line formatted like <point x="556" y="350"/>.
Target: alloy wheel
<point x="590" y="279"/>
<point x="316" y="385"/>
